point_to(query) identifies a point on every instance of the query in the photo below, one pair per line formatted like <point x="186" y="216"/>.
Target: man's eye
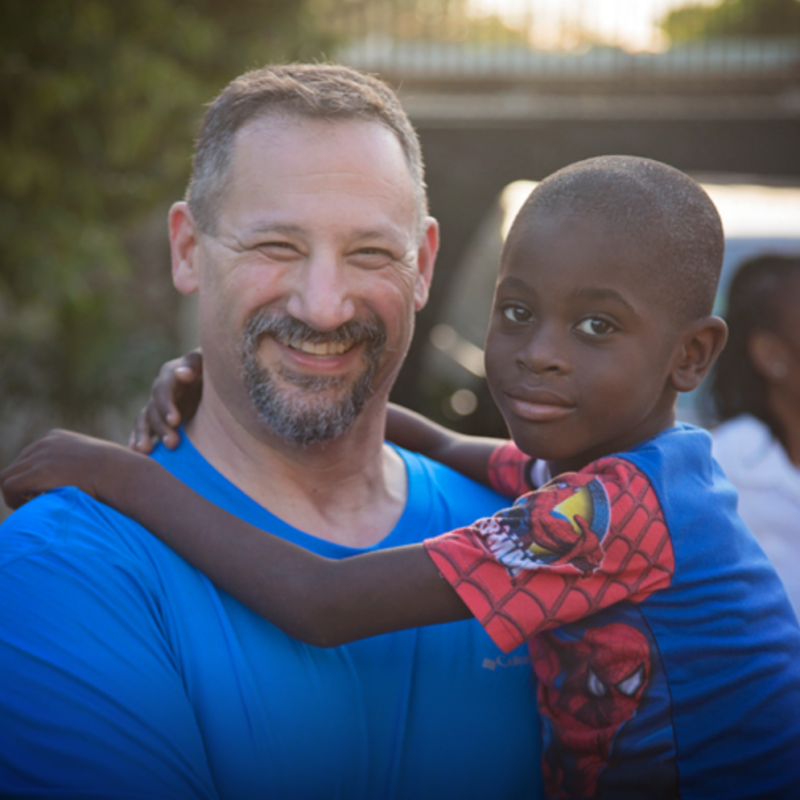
<point x="277" y="247"/>
<point x="371" y="257"/>
<point x="517" y="313"/>
<point x="373" y="252"/>
<point x="595" y="326"/>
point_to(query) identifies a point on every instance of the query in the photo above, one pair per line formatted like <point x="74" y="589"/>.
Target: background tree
<point x="733" y="18"/>
<point x="99" y="103"/>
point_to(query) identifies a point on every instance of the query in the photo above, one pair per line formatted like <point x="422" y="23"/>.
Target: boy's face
<point x="579" y="350"/>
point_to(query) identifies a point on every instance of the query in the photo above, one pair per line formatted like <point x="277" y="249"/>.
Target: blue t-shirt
<point x="125" y="673"/>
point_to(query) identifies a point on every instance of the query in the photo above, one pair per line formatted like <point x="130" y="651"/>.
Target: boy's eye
<point x="517" y="313"/>
<point x="595" y="326"/>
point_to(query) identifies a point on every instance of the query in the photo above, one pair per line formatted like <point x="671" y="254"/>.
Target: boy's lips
<point x="539" y="405"/>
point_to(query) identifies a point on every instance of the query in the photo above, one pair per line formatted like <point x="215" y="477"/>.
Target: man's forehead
<point x="282" y="166"/>
<point x="282" y="127"/>
<point x="301" y="149"/>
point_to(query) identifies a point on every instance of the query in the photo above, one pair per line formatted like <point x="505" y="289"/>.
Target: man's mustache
<point x="370" y="331"/>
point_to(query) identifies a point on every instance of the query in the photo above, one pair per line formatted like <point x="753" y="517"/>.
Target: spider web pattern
<point x="509" y="468"/>
<point x="636" y="558"/>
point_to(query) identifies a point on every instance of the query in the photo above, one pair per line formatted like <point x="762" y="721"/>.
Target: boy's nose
<point x="320" y="295"/>
<point x="545" y="352"/>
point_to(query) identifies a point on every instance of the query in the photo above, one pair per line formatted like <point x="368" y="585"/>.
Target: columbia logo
<point x="506" y="661"/>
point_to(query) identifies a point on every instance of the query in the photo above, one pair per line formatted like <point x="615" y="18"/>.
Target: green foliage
<point x="99" y="103"/>
<point x="733" y="18"/>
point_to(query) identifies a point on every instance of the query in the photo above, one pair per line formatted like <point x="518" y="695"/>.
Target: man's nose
<point x="321" y="293"/>
<point x="546" y="351"/>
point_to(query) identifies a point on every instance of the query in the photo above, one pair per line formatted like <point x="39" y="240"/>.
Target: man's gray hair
<point x="311" y="91"/>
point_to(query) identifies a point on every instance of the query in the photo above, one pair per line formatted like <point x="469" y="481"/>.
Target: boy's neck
<point x="351" y="490"/>
<point x="635" y="437"/>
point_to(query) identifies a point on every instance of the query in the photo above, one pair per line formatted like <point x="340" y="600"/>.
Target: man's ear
<point x="426" y="257"/>
<point x="183" y="242"/>
<point x="702" y="342"/>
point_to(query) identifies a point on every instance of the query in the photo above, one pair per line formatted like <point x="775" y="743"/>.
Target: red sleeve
<point x="509" y="469"/>
<point x="583" y="542"/>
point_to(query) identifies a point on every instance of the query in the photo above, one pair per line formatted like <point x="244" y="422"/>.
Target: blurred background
<point x="100" y="101"/>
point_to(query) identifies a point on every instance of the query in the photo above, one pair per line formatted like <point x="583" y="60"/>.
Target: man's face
<point x="580" y="346"/>
<point x="308" y="288"/>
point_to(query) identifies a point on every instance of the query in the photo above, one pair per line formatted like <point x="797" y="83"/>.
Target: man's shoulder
<point x="71" y="526"/>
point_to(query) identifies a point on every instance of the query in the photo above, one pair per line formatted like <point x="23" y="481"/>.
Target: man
<point x="123" y="670"/>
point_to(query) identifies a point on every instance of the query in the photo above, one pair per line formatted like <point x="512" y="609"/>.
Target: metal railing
<point x="542" y="40"/>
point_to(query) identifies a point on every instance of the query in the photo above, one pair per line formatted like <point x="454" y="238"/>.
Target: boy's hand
<point x="61" y="458"/>
<point x="173" y="399"/>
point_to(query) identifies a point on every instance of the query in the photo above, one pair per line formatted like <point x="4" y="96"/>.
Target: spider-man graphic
<point x="567" y="528"/>
<point x="583" y="542"/>
<point x="588" y="688"/>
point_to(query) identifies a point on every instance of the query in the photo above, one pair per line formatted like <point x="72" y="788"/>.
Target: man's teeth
<point x="320" y="348"/>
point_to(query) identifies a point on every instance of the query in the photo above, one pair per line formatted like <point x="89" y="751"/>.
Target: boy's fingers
<point x="166" y="390"/>
<point x="160" y="427"/>
<point x="20" y="464"/>
<point x="17" y="488"/>
<point x="177" y="384"/>
<point x="141" y="438"/>
<point x="194" y="362"/>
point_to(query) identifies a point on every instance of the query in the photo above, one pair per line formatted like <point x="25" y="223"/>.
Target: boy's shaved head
<point x="660" y="211"/>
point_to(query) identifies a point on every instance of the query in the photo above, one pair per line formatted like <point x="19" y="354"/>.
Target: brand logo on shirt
<point x="506" y="661"/>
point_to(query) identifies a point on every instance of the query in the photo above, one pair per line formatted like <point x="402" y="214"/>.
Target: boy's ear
<point x="702" y="342"/>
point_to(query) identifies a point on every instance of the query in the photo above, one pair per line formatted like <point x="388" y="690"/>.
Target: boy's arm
<point x="320" y="601"/>
<point x="469" y="455"/>
<point x="498" y="463"/>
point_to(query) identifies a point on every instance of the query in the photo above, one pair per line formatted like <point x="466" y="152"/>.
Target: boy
<point x="667" y="656"/>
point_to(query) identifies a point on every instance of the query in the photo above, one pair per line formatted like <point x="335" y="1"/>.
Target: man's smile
<point x="329" y="348"/>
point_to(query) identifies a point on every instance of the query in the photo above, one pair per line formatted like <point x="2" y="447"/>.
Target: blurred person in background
<point x="755" y="391"/>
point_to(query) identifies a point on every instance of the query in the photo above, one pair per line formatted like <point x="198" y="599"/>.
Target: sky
<point x="629" y="23"/>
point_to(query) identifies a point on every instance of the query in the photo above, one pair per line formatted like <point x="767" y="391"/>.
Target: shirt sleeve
<point x="92" y="700"/>
<point x="509" y="470"/>
<point x="581" y="543"/>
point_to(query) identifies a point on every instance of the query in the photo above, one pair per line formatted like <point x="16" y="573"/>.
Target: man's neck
<point x="351" y="490"/>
